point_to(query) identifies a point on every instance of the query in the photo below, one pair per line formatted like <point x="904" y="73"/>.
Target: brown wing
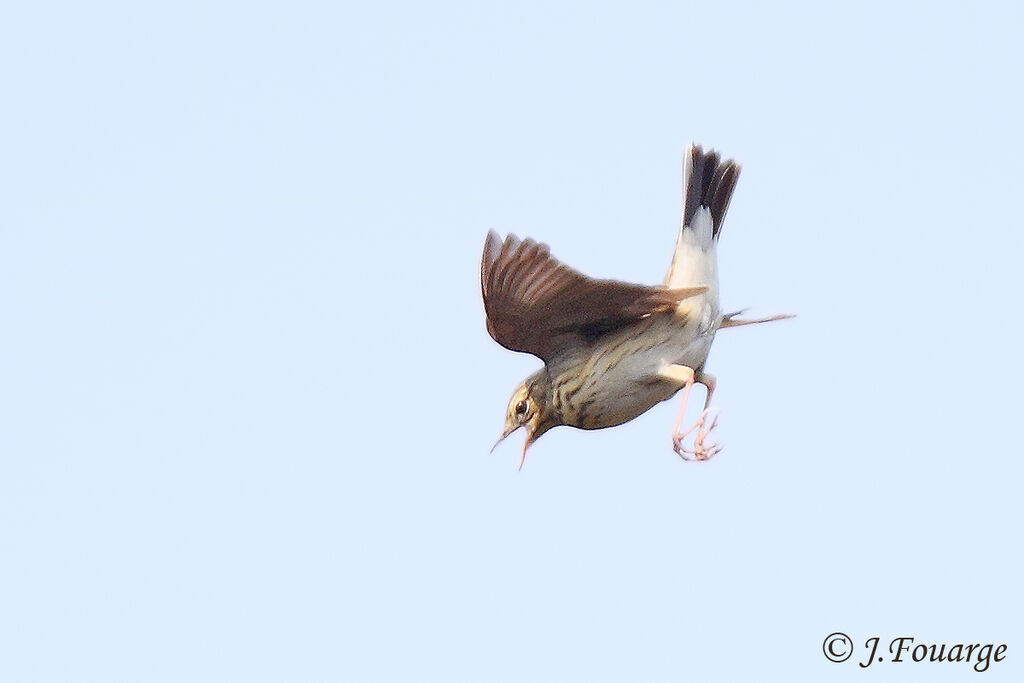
<point x="539" y="305"/>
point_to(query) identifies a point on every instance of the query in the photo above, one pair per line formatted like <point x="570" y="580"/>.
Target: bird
<point x="611" y="349"/>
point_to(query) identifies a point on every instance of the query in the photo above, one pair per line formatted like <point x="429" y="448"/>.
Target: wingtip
<point x="493" y="238"/>
<point x="492" y="248"/>
<point x="681" y="293"/>
<point x="732" y="321"/>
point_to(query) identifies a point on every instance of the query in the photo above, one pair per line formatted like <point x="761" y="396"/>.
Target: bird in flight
<point x="611" y="349"/>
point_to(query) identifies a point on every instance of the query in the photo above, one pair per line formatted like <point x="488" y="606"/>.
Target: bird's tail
<point x="708" y="184"/>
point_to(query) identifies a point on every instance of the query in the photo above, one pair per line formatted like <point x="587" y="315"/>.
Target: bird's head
<point x="530" y="407"/>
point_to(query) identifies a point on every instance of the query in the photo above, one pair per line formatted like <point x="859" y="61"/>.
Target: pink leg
<point x="676" y="436"/>
<point x="700" y="450"/>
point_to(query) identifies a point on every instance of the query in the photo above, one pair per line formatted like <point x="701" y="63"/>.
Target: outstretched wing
<point x="539" y="305"/>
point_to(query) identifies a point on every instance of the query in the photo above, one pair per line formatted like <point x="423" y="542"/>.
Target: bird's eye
<point x="521" y="408"/>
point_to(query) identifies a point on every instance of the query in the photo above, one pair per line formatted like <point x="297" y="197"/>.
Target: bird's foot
<point x="700" y="450"/>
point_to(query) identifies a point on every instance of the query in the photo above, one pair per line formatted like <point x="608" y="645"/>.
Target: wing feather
<point x="538" y="305"/>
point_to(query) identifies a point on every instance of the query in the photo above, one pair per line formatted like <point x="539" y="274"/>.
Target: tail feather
<point x="709" y="182"/>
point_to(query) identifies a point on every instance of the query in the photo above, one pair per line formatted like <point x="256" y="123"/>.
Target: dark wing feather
<point x="539" y="305"/>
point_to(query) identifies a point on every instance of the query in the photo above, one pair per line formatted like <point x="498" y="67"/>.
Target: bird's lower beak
<point x="526" y="444"/>
<point x="522" y="458"/>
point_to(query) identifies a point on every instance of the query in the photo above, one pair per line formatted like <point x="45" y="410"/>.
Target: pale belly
<point x="619" y="379"/>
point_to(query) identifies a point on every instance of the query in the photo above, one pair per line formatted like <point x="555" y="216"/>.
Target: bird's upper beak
<point x="529" y="440"/>
<point x="508" y="430"/>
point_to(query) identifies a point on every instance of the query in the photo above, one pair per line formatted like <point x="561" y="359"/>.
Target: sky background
<point x="248" y="396"/>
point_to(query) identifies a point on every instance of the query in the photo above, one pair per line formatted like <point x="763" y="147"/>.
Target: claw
<point x="700" y="450"/>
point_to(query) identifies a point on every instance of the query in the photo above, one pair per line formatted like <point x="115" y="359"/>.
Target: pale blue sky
<point x="248" y="394"/>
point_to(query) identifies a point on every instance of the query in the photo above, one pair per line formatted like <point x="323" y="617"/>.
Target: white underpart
<point x="695" y="262"/>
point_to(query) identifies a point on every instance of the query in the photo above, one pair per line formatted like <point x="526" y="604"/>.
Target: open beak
<point x="503" y="436"/>
<point x="529" y="440"/>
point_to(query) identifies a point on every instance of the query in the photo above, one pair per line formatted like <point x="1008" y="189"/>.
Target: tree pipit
<point x="611" y="350"/>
